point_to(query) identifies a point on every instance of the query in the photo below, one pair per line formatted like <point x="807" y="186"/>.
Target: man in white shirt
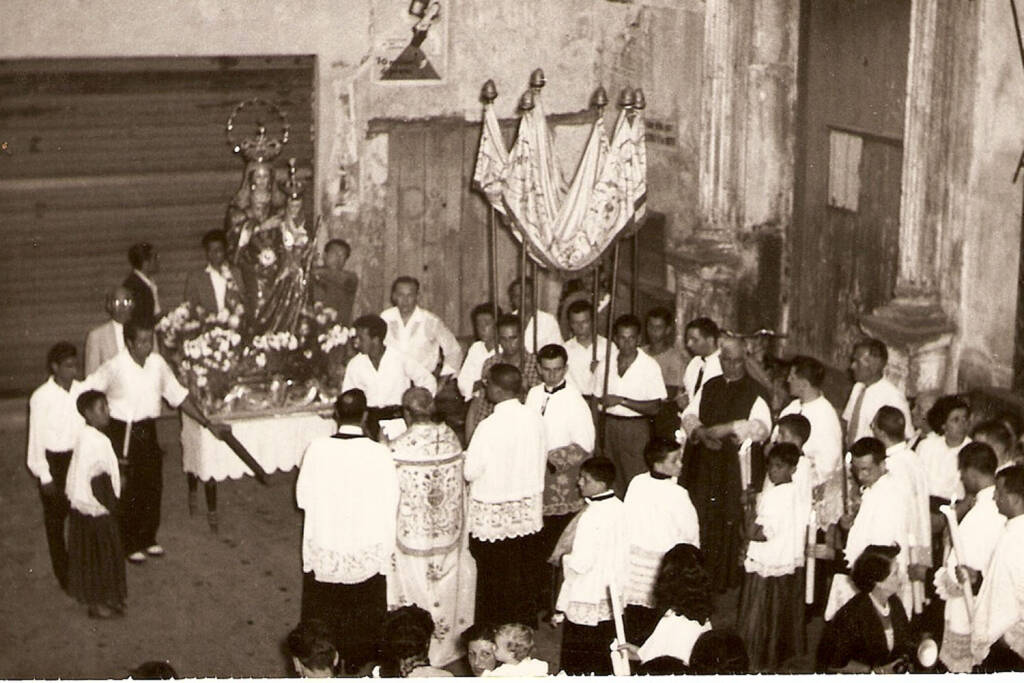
<point x="485" y="346"/>
<point x="383" y="374"/>
<point x="348" y="488"/>
<point x="871" y="390"/>
<point x="569" y="433"/>
<point x="135" y="381"/>
<point x="548" y="331"/>
<point x="980" y="530"/>
<point x="145" y="266"/>
<point x="54" y="424"/>
<point x="106" y="341"/>
<point x="583" y="358"/>
<point x="217" y="286"/>
<point x="634" y="395"/>
<point x="505" y="464"/>
<point x="997" y="641"/>
<point x="701" y="337"/>
<point x="417" y="332"/>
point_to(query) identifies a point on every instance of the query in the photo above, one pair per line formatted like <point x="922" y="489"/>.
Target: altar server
<point x="659" y="516"/>
<point x="594" y="565"/>
<point x="54" y="424"/>
<point x="997" y="641"/>
<point x="348" y="488"/>
<point x="383" y="374"/>
<point x="569" y="434"/>
<point x="505" y="464"/>
<point x="134" y="382"/>
<point x="979" y="533"/>
<point x="417" y="332"/>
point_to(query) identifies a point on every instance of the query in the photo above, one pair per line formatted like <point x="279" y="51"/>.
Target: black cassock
<point x="712" y="478"/>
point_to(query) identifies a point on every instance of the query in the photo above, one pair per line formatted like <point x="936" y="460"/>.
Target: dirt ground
<point x="214" y="606"/>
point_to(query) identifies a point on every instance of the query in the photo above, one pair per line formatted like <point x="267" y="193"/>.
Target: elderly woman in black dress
<point x="870" y="633"/>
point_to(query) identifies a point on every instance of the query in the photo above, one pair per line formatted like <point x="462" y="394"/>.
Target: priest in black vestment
<point x="727" y="416"/>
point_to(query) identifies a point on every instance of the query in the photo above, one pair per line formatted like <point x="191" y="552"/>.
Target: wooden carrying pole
<point x="522" y="303"/>
<point x="596" y="299"/>
<point x="535" y="286"/>
<point x="492" y="230"/>
<point x="608" y="346"/>
<point x="634" y="285"/>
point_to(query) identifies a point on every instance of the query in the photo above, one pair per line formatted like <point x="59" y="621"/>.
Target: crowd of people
<point x="607" y="488"/>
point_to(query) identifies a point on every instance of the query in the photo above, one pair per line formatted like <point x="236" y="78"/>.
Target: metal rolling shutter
<point x="100" y="153"/>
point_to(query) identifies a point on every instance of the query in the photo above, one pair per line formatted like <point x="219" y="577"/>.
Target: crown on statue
<point x="293" y="187"/>
<point x="262" y="146"/>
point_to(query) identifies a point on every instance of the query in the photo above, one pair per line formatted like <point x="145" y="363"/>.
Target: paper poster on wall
<point x="411" y="41"/>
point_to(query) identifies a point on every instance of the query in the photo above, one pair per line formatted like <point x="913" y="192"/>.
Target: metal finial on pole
<point x="599" y="98"/>
<point x="537" y="80"/>
<point x="489" y="93"/>
<point x="626" y="98"/>
<point x="639" y="101"/>
<point x="526" y="102"/>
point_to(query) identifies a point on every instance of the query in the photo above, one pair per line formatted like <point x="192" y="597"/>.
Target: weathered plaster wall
<point x="655" y="44"/>
<point x="984" y="349"/>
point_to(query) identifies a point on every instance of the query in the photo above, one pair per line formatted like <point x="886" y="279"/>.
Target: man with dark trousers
<point x="53" y="428"/>
<point x="135" y="381"/>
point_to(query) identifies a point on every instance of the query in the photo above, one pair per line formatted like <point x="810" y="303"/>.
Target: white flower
<point x="307" y="354"/>
<point x="223" y="315"/>
<point x="267" y="257"/>
<point x="234" y="321"/>
<point x="261" y="360"/>
<point x="293" y="343"/>
<point x="200" y="380"/>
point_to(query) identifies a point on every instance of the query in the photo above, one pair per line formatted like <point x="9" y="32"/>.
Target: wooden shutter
<point x="101" y="153"/>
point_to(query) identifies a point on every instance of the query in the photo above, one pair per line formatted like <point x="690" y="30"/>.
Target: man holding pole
<point x="997" y="639"/>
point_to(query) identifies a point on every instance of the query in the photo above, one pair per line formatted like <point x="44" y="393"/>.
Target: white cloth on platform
<point x="908" y="470"/>
<point x="433" y="566"/>
<point x="505" y="464"/>
<point x="999" y="609"/>
<point x="385" y="384"/>
<point x="596" y="561"/>
<point x="548" y="331"/>
<point x="641" y="382"/>
<point x="134" y="391"/>
<point x="277" y="442"/>
<point x="659" y="516"/>
<point x="980" y="530"/>
<point x="674" y="636"/>
<point x="348" y="489"/>
<point x="878" y="394"/>
<point x="712" y="366"/>
<point x="580" y="358"/>
<point x="54" y="424"/>
<point x="472" y="368"/>
<point x="93" y="456"/>
<point x="423" y="339"/>
<point x="782" y="513"/>
<point x="940" y="463"/>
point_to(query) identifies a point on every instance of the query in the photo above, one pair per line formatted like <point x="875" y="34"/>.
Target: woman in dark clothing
<point x="870" y="633"/>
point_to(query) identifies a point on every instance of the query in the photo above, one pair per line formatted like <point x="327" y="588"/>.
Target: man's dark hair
<point x="875" y="348"/>
<point x="891" y="422"/>
<point x="580" y="306"/>
<point x="406" y="635"/>
<point x="212" y="236"/>
<point x="486" y="308"/>
<point x="405" y="280"/>
<point x="373" y="324"/>
<point x="868" y="445"/>
<point x="1013" y="479"/>
<point x="136" y="325"/>
<point x="507" y="377"/>
<point x="60" y="352"/>
<point x="310" y="643"/>
<point x="810" y="369"/>
<point x="788" y="453"/>
<point x="477" y="632"/>
<point x="873" y="566"/>
<point x="940" y="411"/>
<point x="719" y="651"/>
<point x="139" y="253"/>
<point x="994" y="430"/>
<point x="978" y="456"/>
<point x="551" y="352"/>
<point x="508" y="320"/>
<point x="87" y="399"/>
<point x="600" y="469"/>
<point x="338" y="243"/>
<point x="658" y="449"/>
<point x="525" y="281"/>
<point x="627" y="320"/>
<point x="797" y="425"/>
<point x="683" y="585"/>
<point x="350" y="406"/>
<point x="661" y="313"/>
<point x="706" y="326"/>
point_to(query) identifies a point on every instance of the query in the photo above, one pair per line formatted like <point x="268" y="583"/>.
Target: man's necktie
<point x="700" y="376"/>
<point x="851" y="429"/>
